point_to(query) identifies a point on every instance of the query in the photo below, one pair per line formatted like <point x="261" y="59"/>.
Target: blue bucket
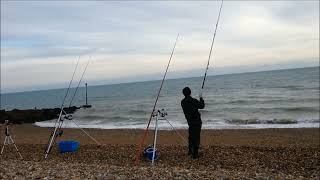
<point x="68" y="146"/>
<point x="148" y="153"/>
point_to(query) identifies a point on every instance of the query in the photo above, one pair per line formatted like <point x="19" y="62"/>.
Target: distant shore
<point x="264" y="153"/>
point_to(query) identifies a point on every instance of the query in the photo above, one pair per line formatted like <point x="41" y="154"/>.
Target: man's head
<point x="186" y="91"/>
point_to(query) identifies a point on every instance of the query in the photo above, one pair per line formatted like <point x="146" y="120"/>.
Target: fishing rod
<point x="214" y="37"/>
<point x="69" y="117"/>
<point x="155" y="104"/>
<point x="75" y="92"/>
<point x="58" y="121"/>
<point x="65" y="97"/>
<point x="81" y="78"/>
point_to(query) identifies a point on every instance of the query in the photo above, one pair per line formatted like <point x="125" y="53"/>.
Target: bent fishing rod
<point x="154" y="106"/>
<point x="214" y="37"/>
<point x="58" y="121"/>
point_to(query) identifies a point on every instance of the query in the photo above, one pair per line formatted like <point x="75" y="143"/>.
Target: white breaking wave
<point x="164" y="125"/>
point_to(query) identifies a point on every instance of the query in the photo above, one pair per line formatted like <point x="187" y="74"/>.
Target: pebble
<point x="114" y="162"/>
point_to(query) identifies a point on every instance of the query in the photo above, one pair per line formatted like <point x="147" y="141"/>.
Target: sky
<point x="128" y="41"/>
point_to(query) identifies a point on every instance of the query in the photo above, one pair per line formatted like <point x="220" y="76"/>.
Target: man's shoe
<point x="195" y="156"/>
<point x="190" y="151"/>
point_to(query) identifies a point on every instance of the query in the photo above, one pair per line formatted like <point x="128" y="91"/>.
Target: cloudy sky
<point x="131" y="41"/>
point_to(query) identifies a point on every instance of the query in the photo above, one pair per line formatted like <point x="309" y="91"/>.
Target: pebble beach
<point x="225" y="154"/>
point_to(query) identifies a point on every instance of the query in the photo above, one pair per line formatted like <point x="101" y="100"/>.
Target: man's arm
<point x="200" y="104"/>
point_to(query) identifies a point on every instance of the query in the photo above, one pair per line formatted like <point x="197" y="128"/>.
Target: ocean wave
<point x="204" y="111"/>
<point x="117" y="118"/>
<point x="313" y="88"/>
<point x="270" y="109"/>
<point x="269" y="121"/>
<point x="310" y="120"/>
<point x="100" y="98"/>
<point x="270" y="101"/>
<point x="300" y="109"/>
<point x="257" y="121"/>
<point x="92" y="117"/>
<point x="140" y="111"/>
<point x="238" y="101"/>
<point x="166" y="126"/>
<point x="289" y="87"/>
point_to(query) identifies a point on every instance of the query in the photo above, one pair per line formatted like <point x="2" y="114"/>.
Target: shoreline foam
<point x="166" y="126"/>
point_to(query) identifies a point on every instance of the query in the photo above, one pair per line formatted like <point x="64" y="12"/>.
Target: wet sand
<point x="252" y="153"/>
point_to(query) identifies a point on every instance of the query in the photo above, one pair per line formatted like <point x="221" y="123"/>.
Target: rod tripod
<point x="58" y="131"/>
<point x="8" y="139"/>
<point x="161" y="115"/>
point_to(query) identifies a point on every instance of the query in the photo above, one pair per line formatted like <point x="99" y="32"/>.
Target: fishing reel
<point x="154" y="113"/>
<point x="6" y="122"/>
<point x="162" y="113"/>
<point x="60" y="132"/>
<point x="68" y="117"/>
<point x="6" y="131"/>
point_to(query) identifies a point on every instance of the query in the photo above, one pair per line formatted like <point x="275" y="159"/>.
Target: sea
<point x="269" y="99"/>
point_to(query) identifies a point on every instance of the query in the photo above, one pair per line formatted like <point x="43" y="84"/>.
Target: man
<point x="190" y="108"/>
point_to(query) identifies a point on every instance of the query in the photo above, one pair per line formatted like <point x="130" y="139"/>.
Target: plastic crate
<point x="68" y="146"/>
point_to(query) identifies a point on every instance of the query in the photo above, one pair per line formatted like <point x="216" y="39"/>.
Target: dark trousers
<point x="194" y="139"/>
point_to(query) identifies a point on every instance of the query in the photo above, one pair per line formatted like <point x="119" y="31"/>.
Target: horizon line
<point x="223" y="74"/>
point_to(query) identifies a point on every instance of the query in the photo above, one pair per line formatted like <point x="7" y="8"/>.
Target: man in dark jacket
<point x="190" y="108"/>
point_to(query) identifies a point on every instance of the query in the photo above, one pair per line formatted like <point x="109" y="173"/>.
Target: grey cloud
<point x="143" y="32"/>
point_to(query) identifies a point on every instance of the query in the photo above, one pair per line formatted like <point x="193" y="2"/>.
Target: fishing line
<point x="182" y="138"/>
<point x="154" y="106"/>
<point x="70" y="83"/>
<point x="92" y="138"/>
<point x="213" y="39"/>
